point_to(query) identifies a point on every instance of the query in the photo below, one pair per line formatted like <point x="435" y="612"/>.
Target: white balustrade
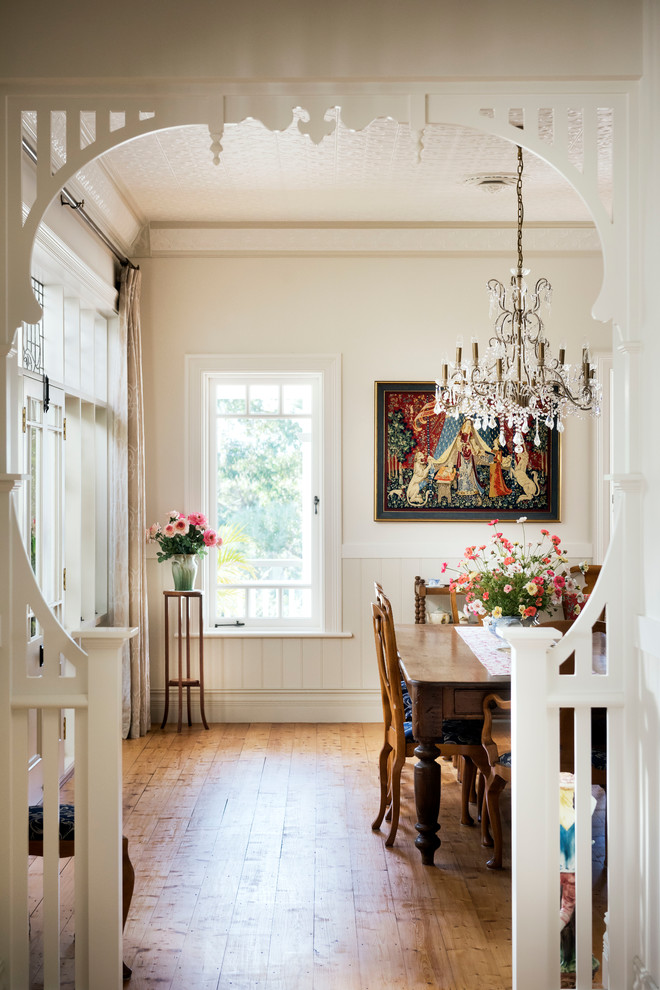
<point x="93" y="691"/>
<point x="539" y="691"/>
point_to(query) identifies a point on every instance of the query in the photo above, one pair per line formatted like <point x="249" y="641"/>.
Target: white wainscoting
<point x="282" y="679"/>
<point x="306" y="679"/>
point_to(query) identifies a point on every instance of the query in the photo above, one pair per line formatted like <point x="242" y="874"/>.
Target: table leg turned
<point x="427" y="800"/>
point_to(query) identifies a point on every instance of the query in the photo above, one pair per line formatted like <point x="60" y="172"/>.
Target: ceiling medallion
<point x="491" y="182"/>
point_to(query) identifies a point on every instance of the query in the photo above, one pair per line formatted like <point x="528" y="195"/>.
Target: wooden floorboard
<point x="256" y="867"/>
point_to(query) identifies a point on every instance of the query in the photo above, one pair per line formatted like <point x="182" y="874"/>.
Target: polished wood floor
<point x="256" y="867"/>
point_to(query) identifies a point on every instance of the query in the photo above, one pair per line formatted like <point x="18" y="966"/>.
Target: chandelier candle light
<point x="517" y="381"/>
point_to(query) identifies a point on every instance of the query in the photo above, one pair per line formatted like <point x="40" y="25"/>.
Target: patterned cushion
<point x="36" y="823"/>
<point x="462" y="731"/>
<point x="457" y="731"/>
<point x="407" y="703"/>
<point x="505" y="760"/>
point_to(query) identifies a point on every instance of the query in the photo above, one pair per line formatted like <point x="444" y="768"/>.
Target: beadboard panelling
<point x="312" y="664"/>
<point x="252" y="672"/>
<point x="296" y="672"/>
<point x="292" y="663"/>
<point x="272" y="664"/>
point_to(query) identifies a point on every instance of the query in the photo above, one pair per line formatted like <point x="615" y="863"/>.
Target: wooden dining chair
<point x="587" y="584"/>
<point x="461" y="737"/>
<point x="423" y="591"/>
<point x="68" y="847"/>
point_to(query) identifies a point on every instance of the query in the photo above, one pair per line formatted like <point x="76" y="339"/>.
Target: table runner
<point x="485" y="648"/>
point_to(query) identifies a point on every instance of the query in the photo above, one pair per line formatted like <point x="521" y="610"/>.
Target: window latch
<point x="316" y="505"/>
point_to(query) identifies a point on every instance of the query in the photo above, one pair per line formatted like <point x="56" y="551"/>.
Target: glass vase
<point x="184" y="570"/>
<point x="497" y="626"/>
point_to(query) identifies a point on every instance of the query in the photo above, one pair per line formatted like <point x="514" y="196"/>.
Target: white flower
<point x="522" y="519"/>
<point x="531" y="588"/>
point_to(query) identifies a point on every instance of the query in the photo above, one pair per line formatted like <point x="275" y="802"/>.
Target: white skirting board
<point x="273" y="706"/>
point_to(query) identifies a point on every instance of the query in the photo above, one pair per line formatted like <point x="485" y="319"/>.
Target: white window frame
<point x="200" y="372"/>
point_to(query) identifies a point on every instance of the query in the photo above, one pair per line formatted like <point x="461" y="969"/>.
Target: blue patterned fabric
<point x="462" y="731"/>
<point x="505" y="760"/>
<point x="407" y="703"/>
<point x="36" y="823"/>
<point x="457" y="731"/>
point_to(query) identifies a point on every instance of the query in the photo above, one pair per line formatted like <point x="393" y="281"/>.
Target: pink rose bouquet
<point x="183" y="535"/>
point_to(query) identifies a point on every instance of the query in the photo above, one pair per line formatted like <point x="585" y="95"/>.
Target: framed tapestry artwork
<point x="435" y="467"/>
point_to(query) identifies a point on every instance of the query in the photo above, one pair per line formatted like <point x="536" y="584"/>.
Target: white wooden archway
<point x="497" y="110"/>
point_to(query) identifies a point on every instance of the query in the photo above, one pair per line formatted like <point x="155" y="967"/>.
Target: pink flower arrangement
<point x="183" y="534"/>
<point x="512" y="578"/>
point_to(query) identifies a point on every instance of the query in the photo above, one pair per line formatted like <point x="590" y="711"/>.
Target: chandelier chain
<point x="521" y="211"/>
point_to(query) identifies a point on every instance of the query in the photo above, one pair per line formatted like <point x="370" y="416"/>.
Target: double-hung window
<point x="265" y="459"/>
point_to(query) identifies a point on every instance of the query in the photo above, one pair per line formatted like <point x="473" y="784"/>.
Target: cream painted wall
<point x="390" y="318"/>
<point x="374" y="39"/>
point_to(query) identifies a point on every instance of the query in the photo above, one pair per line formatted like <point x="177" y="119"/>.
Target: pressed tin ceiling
<point x="372" y="176"/>
<point x="351" y="176"/>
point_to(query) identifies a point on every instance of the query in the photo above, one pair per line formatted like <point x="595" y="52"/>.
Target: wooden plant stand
<point x="183" y="599"/>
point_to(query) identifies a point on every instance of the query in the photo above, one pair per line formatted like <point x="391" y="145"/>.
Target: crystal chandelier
<point x="517" y="381"/>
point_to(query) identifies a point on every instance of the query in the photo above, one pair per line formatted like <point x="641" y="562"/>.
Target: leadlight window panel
<point x="33" y="336"/>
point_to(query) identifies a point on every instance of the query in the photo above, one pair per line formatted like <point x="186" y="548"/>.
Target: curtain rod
<point x="66" y="199"/>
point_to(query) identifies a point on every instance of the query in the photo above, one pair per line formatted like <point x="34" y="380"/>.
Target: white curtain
<point x="127" y="513"/>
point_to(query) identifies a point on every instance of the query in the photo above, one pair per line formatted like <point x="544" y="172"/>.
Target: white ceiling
<point x="373" y="176"/>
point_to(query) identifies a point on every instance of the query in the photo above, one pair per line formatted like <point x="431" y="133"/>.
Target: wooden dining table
<point x="445" y="680"/>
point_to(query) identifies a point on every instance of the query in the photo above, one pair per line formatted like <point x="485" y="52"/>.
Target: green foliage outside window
<point x="259" y="484"/>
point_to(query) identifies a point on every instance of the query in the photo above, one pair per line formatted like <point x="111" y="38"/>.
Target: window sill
<point x="232" y="632"/>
